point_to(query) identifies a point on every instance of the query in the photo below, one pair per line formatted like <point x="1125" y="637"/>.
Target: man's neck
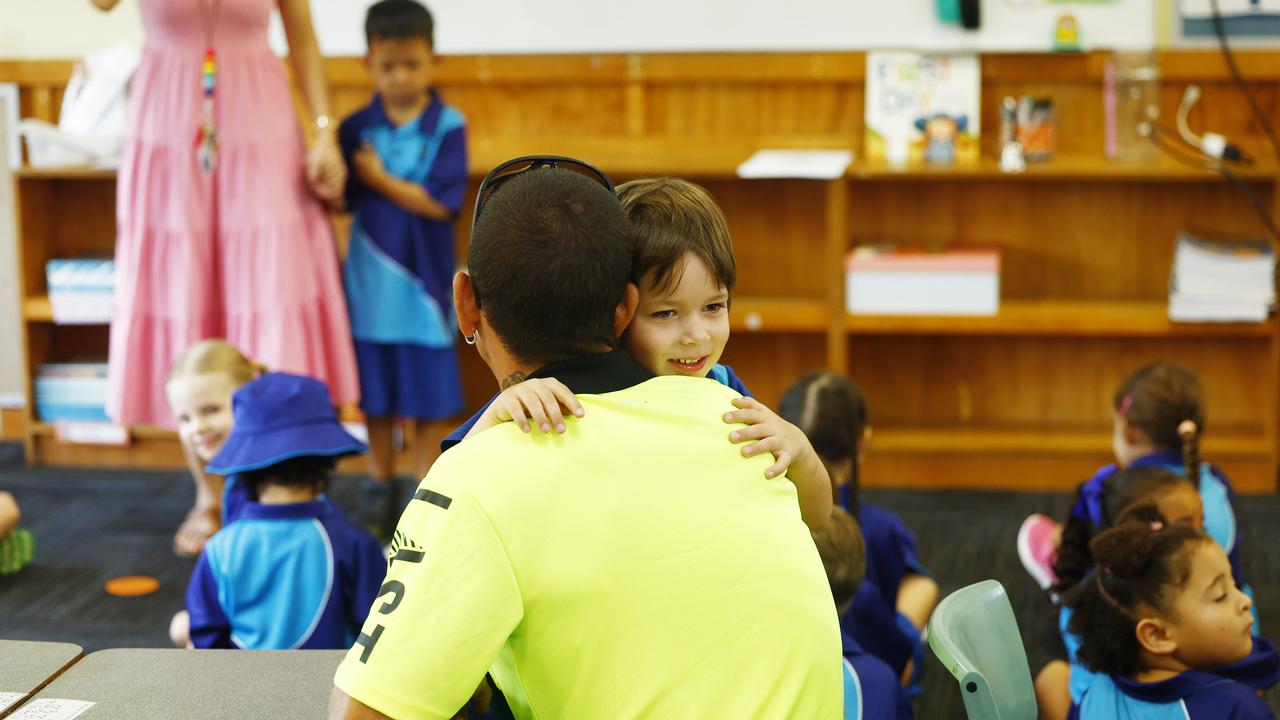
<point x="509" y="371"/>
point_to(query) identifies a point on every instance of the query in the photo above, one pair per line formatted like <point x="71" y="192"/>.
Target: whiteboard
<point x="583" y="26"/>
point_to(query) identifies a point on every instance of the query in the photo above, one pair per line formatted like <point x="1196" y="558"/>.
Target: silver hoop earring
<point x="472" y="338"/>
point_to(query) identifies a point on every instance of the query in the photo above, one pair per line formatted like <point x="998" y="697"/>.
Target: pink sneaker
<point x="1037" y="547"/>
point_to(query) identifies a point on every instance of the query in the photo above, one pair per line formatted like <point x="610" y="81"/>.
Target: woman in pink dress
<point x="221" y="230"/>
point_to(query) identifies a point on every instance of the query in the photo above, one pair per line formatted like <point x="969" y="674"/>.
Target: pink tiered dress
<point x="245" y="253"/>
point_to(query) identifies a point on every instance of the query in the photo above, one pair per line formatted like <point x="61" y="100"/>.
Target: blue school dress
<point x="284" y="577"/>
<point x="873" y="619"/>
<point x="871" y="690"/>
<point x="399" y="268"/>
<point x="1190" y="696"/>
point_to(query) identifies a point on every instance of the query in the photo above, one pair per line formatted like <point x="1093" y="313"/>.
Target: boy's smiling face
<point x="400" y="69"/>
<point x="683" y="330"/>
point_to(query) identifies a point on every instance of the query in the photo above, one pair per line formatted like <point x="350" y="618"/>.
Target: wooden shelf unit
<point x="1019" y="400"/>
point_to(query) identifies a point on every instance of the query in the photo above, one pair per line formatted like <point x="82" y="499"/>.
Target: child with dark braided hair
<point x="1175" y="497"/>
<point x="1158" y="420"/>
<point x="1160" y="620"/>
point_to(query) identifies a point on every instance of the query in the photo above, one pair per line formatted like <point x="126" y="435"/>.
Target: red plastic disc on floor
<point x="132" y="586"/>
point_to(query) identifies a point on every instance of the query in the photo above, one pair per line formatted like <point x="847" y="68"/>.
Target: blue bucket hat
<point x="278" y="417"/>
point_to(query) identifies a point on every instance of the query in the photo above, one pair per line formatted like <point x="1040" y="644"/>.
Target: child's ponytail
<point x="1190" y="434"/>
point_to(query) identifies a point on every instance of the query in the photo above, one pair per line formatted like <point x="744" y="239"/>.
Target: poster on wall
<point x="922" y="108"/>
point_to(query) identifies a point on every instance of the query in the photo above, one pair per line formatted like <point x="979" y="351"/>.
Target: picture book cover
<point x="922" y="107"/>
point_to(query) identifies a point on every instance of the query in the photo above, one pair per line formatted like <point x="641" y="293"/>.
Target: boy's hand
<point x="774" y="434"/>
<point x="368" y="165"/>
<point x="539" y="399"/>
<point x="793" y="455"/>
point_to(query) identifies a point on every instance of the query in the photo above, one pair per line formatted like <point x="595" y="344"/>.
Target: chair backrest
<point x="975" y="635"/>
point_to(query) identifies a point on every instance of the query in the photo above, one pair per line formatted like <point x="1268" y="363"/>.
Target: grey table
<point x="196" y="684"/>
<point x="26" y="666"/>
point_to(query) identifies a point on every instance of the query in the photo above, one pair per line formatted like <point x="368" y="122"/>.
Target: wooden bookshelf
<point x="1060" y="318"/>
<point x="1019" y="400"/>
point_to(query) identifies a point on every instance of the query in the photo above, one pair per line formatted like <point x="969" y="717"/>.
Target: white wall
<point x="65" y="28"/>
<point x="69" y="28"/>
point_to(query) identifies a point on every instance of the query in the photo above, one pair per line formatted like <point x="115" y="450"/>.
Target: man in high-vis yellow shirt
<point x="636" y="566"/>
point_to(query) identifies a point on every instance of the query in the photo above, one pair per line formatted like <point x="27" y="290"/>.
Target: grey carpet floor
<point x="91" y="526"/>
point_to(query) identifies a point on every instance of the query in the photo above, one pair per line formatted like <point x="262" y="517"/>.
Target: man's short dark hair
<point x="549" y="259"/>
<point x="399" y="20"/>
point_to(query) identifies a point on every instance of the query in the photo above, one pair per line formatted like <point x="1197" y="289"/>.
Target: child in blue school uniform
<point x="894" y="604"/>
<point x="408" y="153"/>
<point x="1158" y="421"/>
<point x="685" y="271"/>
<point x="1161" y="612"/>
<point x="290" y="571"/>
<point x="1176" y="498"/>
<point x="871" y="689"/>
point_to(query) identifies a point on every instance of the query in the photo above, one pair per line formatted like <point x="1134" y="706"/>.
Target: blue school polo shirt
<point x="399" y="267"/>
<point x="284" y="577"/>
<point x="722" y="374"/>
<point x="1215" y="493"/>
<point x="1190" y="696"/>
<point x="874" y="625"/>
<point x="871" y="690"/>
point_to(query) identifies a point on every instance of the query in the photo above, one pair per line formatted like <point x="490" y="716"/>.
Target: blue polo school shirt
<point x="284" y="577"/>
<point x="1191" y="695"/>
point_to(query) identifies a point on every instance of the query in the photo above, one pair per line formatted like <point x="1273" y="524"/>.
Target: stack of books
<point x="890" y="280"/>
<point x="80" y="290"/>
<point x="72" y="392"/>
<point x="1222" y="280"/>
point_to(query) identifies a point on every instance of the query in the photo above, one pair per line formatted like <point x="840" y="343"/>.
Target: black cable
<point x="1219" y="27"/>
<point x="1198" y="163"/>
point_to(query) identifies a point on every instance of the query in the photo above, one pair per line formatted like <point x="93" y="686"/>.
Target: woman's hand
<point x="326" y="171"/>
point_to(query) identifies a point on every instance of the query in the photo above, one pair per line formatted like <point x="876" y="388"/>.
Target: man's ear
<point x="1155" y="637"/>
<point x="464" y="304"/>
<point x="626" y="310"/>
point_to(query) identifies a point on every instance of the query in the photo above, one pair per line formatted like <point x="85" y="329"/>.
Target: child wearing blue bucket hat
<point x="290" y="571"/>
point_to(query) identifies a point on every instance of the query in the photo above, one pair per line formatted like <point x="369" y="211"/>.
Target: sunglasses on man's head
<point x="520" y="165"/>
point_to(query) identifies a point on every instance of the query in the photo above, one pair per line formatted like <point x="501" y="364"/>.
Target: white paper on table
<point x="809" y="164"/>
<point x="1203" y="9"/>
<point x="9" y="698"/>
<point x="51" y="709"/>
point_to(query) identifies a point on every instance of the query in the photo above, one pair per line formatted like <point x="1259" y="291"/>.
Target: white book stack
<point x="958" y="280"/>
<point x="1217" y="280"/>
<point x="80" y="290"/>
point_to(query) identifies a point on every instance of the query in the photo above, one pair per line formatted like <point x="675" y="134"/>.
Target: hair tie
<point x="1156" y="526"/>
<point x="1125" y="405"/>
<point x="1107" y="570"/>
<point x="1187" y="429"/>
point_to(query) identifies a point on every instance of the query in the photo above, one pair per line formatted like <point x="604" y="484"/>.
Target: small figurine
<point x="940" y="133"/>
<point x="1066" y="33"/>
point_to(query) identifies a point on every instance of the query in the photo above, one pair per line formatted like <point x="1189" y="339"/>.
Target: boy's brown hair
<point x="844" y="556"/>
<point x="670" y="217"/>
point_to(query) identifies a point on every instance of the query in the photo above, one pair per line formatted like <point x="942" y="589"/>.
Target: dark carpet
<point x="91" y="526"/>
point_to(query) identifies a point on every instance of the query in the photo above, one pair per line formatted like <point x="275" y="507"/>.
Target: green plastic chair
<point x="975" y="635"/>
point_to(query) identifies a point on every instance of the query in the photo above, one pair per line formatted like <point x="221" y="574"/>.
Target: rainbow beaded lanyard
<point x="206" y="133"/>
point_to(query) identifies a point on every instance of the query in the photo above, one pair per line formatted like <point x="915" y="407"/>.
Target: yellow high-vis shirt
<point x="635" y="567"/>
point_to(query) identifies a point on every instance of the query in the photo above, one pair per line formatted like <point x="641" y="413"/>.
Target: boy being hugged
<point x="408" y="157"/>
